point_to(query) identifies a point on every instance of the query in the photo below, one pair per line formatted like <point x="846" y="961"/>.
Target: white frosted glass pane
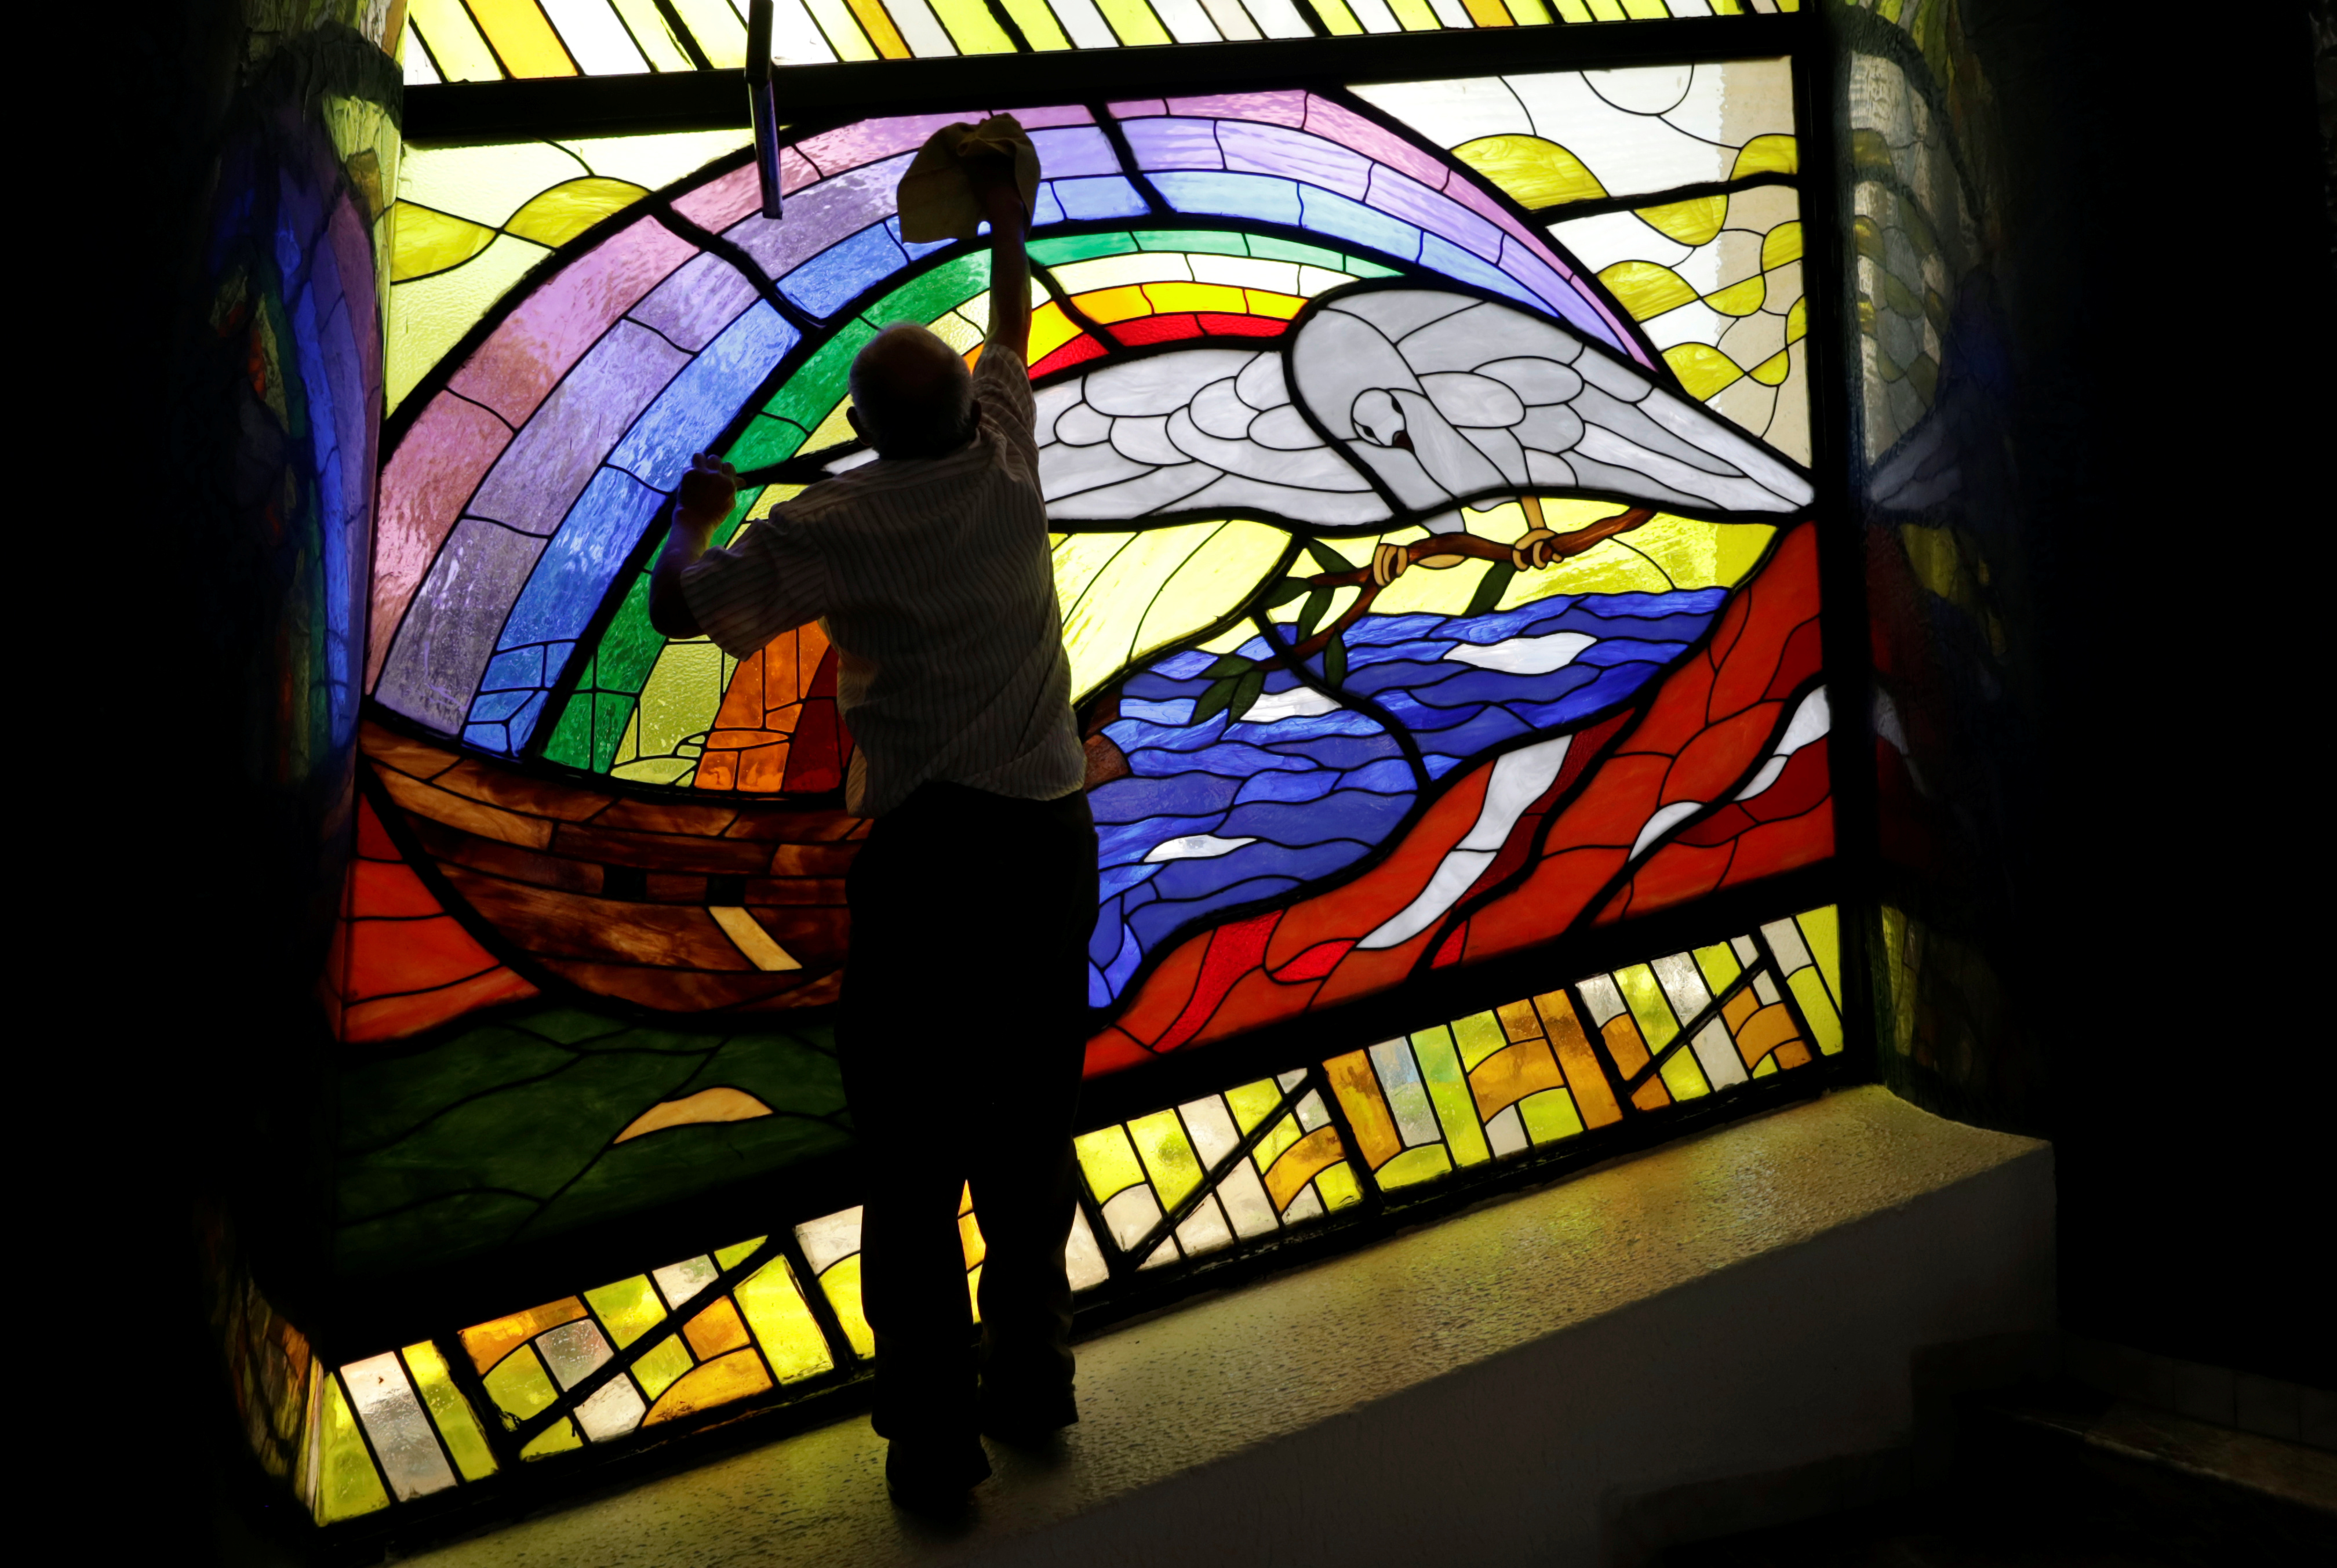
<point x="613" y="1411"/>
<point x="1244" y="1196"/>
<point x="1627" y="151"/>
<point x="681" y="1281"/>
<point x="595" y="37"/>
<point x="573" y="1350"/>
<point x="1083" y="24"/>
<point x="1205" y="1230"/>
<point x="1449" y="112"/>
<point x="1211" y="1128"/>
<point x="1407" y="1096"/>
<point x="1599" y="995"/>
<point x="1683" y="985"/>
<point x="795" y="38"/>
<point x="1186" y="21"/>
<point x="1732" y="102"/>
<point x="1311" y="1113"/>
<point x="1232" y="21"/>
<point x="419" y="72"/>
<point x="923" y="34"/>
<point x="1506" y="1132"/>
<point x="1717" y="1052"/>
<point x="1278" y="18"/>
<point x="1130" y="1214"/>
<point x="409" y="1452"/>
<point x="1083" y="1258"/>
<point x="1786" y="942"/>
<point x="1114" y="271"/>
<point x="825" y="1240"/>
<point x="655" y="160"/>
<point x="1642" y="89"/>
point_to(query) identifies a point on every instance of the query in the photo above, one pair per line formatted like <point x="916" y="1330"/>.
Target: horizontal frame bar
<point x="451" y="113"/>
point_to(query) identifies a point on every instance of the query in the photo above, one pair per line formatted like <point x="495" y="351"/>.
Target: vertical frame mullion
<point x="1821" y="76"/>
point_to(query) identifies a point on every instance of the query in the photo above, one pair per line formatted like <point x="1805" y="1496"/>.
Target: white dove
<point x="1392" y="405"/>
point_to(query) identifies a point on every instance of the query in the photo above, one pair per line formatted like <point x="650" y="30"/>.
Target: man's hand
<point x="707" y="493"/>
<point x="992" y="175"/>
<point x="704" y="498"/>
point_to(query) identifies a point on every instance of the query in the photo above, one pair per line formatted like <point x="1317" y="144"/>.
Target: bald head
<point x="912" y="395"/>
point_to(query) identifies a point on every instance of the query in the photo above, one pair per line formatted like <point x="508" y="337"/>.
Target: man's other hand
<point x="707" y="493"/>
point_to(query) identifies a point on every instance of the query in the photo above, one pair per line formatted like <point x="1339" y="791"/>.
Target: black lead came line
<point x="683" y="36"/>
<point x="1154" y="204"/>
<point x="581" y="1391"/>
<point x="1071" y="311"/>
<point x="1599" y="206"/>
<point x="1689" y="1029"/>
<point x="1369" y="707"/>
<point x="1007" y="25"/>
<point x="737" y="256"/>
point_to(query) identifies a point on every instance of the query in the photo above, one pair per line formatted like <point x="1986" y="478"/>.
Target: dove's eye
<point x="1379" y="420"/>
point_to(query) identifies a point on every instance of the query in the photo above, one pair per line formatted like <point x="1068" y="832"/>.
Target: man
<point x="973" y="894"/>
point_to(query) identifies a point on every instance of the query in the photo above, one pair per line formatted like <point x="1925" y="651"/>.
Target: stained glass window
<point x="1440" y="560"/>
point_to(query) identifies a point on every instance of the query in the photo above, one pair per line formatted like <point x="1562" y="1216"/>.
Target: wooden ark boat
<point x="721" y="905"/>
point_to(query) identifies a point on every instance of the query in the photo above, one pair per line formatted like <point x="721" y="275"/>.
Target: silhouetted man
<point x="973" y="894"/>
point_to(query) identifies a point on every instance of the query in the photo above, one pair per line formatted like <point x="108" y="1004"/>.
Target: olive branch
<point x="1236" y="683"/>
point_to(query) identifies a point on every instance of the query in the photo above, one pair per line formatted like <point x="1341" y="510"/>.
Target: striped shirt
<point x="933" y="579"/>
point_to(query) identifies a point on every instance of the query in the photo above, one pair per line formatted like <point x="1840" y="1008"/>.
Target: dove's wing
<point x="1199" y="428"/>
<point x="1449" y="399"/>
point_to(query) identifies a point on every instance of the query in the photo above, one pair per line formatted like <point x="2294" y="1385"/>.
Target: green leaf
<point x="1311" y="616"/>
<point x="1335" y="661"/>
<point x="1489" y="588"/>
<point x="1246" y="691"/>
<point x="1228" y="665"/>
<point x="1325" y="557"/>
<point x="1213" y="700"/>
<point x="1287" y="590"/>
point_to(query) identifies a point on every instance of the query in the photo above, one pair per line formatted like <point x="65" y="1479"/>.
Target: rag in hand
<point x="936" y="200"/>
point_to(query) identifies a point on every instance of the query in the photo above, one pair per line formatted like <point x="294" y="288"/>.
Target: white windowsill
<point x="1479" y="1390"/>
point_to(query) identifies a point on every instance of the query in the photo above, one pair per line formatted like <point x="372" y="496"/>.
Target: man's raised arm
<point x="704" y="499"/>
<point x="1009" y="262"/>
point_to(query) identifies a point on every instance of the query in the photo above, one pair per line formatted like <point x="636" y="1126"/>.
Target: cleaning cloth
<point x="936" y="200"/>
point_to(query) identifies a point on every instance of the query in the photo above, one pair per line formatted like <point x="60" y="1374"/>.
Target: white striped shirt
<point x="933" y="578"/>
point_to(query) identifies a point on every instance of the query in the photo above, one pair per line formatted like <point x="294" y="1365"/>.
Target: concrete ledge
<point x="1496" y="1388"/>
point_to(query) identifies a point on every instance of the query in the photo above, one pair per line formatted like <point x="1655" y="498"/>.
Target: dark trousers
<point x="961" y="1038"/>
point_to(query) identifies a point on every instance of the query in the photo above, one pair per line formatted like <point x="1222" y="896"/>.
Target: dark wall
<point x="2109" y="921"/>
<point x="2182" y="380"/>
<point x="249" y="147"/>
